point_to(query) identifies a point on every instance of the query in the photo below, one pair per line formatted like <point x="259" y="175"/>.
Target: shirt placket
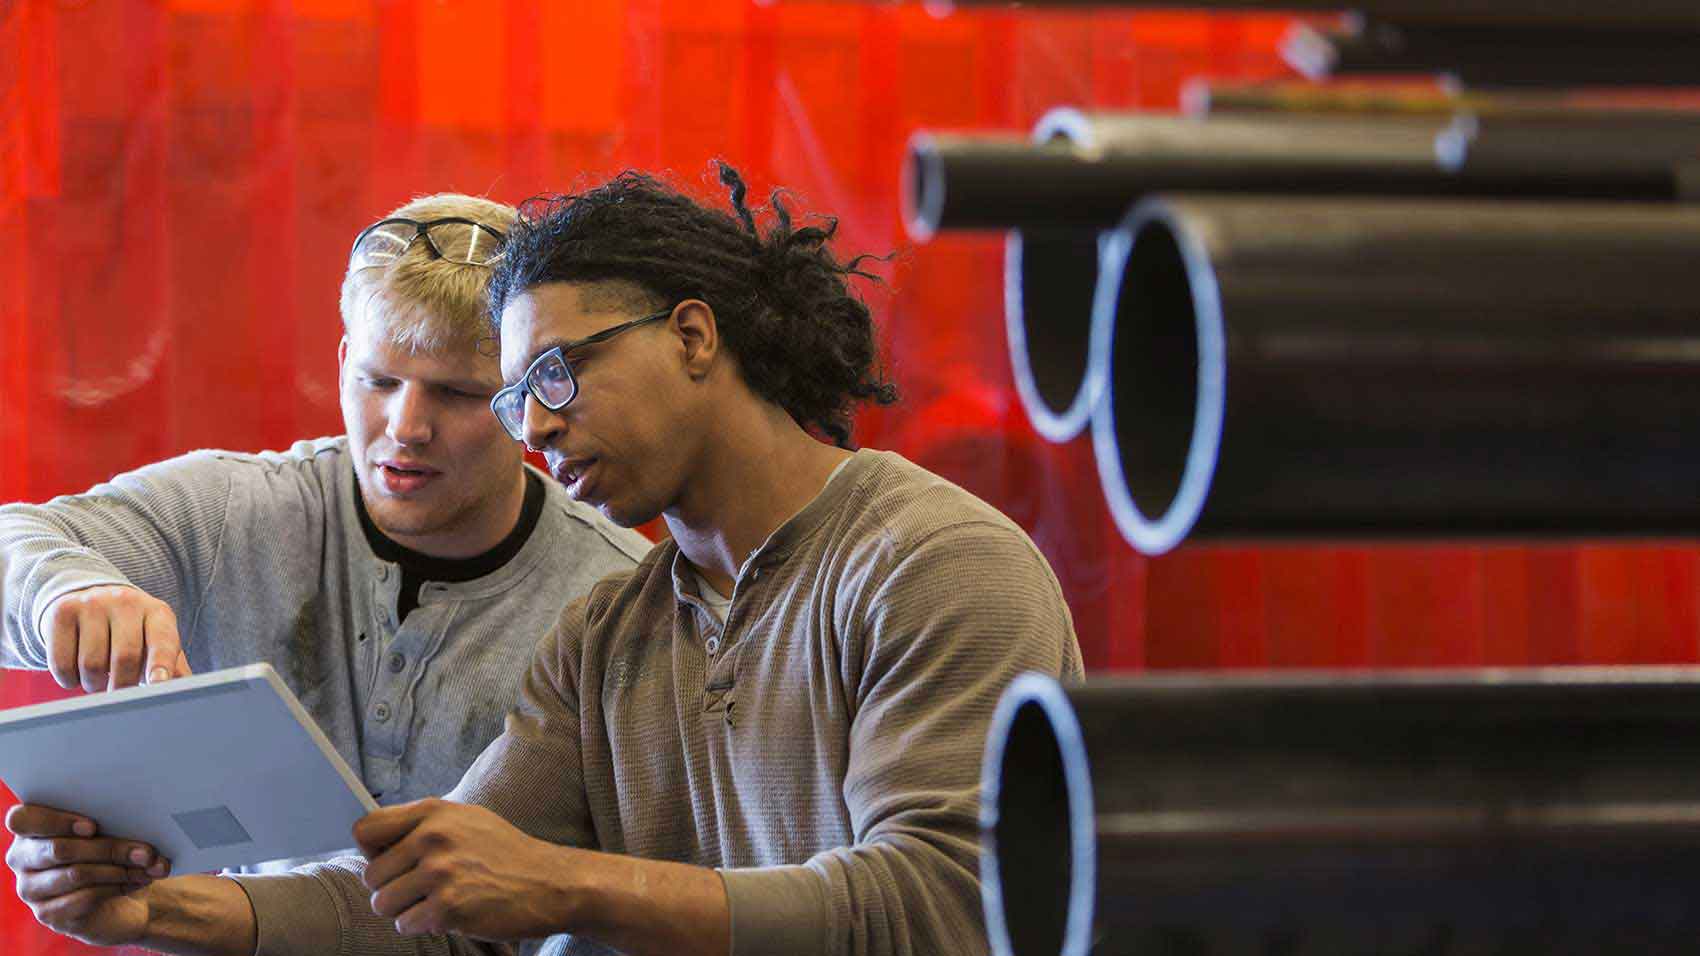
<point x="724" y="643"/>
<point x="396" y="658"/>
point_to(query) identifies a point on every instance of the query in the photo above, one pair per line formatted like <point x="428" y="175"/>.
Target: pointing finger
<point x="165" y="648"/>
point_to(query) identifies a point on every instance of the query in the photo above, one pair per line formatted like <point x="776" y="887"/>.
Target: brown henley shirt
<point x="822" y="749"/>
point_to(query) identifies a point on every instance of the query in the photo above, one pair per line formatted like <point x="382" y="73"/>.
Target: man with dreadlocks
<point x="766" y="738"/>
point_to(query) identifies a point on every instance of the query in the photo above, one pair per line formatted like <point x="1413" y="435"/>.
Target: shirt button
<point x="397" y="662"/>
<point x="382" y="712"/>
<point x="383" y="573"/>
<point x="713" y="644"/>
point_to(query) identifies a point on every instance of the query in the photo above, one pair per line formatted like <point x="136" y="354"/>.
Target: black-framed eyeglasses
<point x="550" y="378"/>
<point x="452" y="238"/>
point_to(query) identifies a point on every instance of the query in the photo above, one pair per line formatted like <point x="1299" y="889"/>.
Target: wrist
<point x="579" y="896"/>
<point x="642" y="906"/>
<point x="155" y="900"/>
<point x="197" y="916"/>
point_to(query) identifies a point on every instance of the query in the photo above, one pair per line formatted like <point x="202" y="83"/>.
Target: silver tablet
<point x="217" y="770"/>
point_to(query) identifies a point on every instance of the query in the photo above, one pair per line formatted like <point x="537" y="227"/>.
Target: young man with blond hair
<point x="397" y="576"/>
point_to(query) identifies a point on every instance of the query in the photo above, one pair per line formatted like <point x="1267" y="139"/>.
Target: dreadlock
<point x="802" y="339"/>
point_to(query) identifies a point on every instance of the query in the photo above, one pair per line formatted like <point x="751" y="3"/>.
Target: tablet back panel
<point x="218" y="770"/>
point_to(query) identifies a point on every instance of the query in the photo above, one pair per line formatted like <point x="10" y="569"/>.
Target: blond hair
<point x="426" y="303"/>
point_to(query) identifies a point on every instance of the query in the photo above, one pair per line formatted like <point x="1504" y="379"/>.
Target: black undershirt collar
<point x="417" y="568"/>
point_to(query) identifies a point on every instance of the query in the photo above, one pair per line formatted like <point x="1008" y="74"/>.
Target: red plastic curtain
<point x="179" y="182"/>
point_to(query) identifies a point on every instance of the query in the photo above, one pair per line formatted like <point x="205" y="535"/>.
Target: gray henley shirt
<point x="262" y="558"/>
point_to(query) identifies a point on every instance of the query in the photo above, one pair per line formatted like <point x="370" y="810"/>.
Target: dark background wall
<point x="179" y="182"/>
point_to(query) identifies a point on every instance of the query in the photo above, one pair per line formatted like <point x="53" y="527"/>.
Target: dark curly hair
<point x="782" y="300"/>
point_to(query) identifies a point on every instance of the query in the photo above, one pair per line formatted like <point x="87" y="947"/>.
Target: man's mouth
<point x="402" y="477"/>
<point x="571" y="472"/>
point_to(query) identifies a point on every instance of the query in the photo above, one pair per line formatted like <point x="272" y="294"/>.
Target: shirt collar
<point x="793" y="532"/>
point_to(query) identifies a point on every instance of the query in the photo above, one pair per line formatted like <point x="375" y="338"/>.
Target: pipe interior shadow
<point x="1154" y="370"/>
<point x="1050" y="297"/>
<point x="1034" y="858"/>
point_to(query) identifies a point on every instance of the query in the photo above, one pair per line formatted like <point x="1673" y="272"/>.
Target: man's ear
<point x="699" y="333"/>
<point x="341" y="360"/>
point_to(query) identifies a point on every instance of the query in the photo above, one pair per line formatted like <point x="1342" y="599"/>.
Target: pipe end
<point x="1038" y="864"/>
<point x="1058" y="367"/>
<point x="922" y="192"/>
<point x="1157" y="426"/>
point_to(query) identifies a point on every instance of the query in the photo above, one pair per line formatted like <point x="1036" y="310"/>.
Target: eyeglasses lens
<point x="552" y="381"/>
<point x="510" y="411"/>
<point x="383" y="245"/>
<point x="463" y="243"/>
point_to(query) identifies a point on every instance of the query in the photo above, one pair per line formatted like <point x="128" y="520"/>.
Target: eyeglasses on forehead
<point x="452" y="238"/>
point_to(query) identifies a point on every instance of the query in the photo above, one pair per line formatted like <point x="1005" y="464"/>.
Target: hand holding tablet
<point x="59" y="857"/>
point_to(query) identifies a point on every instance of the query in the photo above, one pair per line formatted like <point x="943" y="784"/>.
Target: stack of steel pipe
<point x="1334" y="324"/>
<point x="1545" y="813"/>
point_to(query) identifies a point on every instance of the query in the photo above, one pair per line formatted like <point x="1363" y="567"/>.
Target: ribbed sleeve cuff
<point x="777" y="911"/>
<point x="294" y="914"/>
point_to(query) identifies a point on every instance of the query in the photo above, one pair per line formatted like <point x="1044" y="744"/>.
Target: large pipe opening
<point x="1158" y="426"/>
<point x="1038" y="877"/>
<point x="1511" y="811"/>
<point x="1049" y="278"/>
<point x="1049" y="281"/>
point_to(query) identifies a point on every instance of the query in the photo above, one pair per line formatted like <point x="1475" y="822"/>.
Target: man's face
<point x="436" y="471"/>
<point x="625" y="442"/>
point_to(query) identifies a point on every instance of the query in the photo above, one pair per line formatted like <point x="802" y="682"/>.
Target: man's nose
<point x="541" y="427"/>
<point x="410" y="416"/>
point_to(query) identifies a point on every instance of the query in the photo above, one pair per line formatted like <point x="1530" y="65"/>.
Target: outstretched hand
<point x="112" y="636"/>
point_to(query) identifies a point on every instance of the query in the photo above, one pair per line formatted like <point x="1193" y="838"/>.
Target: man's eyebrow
<point x="544" y="346"/>
<point x="465" y="384"/>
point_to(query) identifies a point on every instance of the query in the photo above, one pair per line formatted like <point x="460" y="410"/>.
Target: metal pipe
<point x="1285" y="367"/>
<point x="1541" y="812"/>
<point x="1579" y="14"/>
<point x="1561" y="146"/>
<point x="1084" y="169"/>
<point x="1059" y="366"/>
<point x="1206" y="98"/>
<point x="996" y="181"/>
<point x="1433" y="154"/>
<point x="1050" y="274"/>
<point x="1500" y="55"/>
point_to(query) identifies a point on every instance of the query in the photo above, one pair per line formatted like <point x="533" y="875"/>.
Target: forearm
<point x="199" y="916"/>
<point x="158" y="529"/>
<point x="645" y="907"/>
<point x="40" y="559"/>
